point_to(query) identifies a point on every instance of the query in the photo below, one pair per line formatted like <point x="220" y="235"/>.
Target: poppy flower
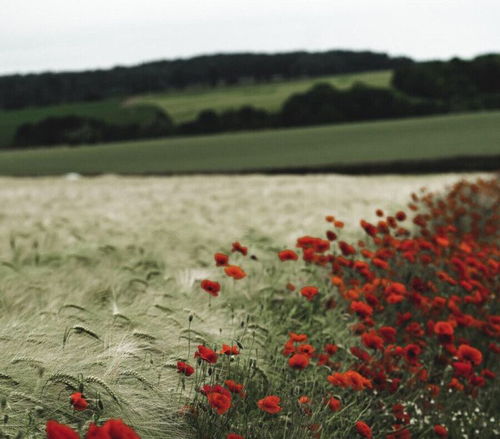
<point x="237" y="247"/>
<point x="185" y="368"/>
<point x="59" y="431"/>
<point x="297" y="337"/>
<point x="440" y="431"/>
<point x="211" y="287"/>
<point x="411" y="353"/>
<point x="334" y="404"/>
<point x="220" y="401"/>
<point x="388" y="333"/>
<point x="361" y="309"/>
<point x="221" y="259"/>
<point x="346" y="248"/>
<point x="306" y="349"/>
<point x="234" y="436"/>
<point x="298" y="361"/>
<point x="270" y="404"/>
<point x="206" y="354"/>
<point x="235" y="272"/>
<point x="372" y="340"/>
<point x="288" y="255"/>
<point x="304" y="400"/>
<point x="112" y="429"/>
<point x="444" y="331"/>
<point x="78" y="401"/>
<point x="229" y="350"/>
<point x="234" y="387"/>
<point x="363" y="429"/>
<point x="400" y="216"/>
<point x="468" y="353"/>
<point x="309" y="292"/>
<point x="331" y="349"/>
<point x="357" y="381"/>
<point x="337" y="379"/>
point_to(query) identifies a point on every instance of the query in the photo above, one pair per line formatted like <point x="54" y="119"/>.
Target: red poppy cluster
<point x="422" y="299"/>
<point x="112" y="429"/>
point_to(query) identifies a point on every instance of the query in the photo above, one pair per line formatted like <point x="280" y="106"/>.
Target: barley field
<point x="99" y="281"/>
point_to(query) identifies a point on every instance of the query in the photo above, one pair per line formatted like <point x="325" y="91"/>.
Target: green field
<point x="184" y="106"/>
<point x="111" y="111"/>
<point x="430" y="137"/>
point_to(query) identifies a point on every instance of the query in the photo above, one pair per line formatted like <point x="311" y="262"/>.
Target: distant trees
<point x="460" y="84"/>
<point x="76" y="130"/>
<point x="19" y="91"/>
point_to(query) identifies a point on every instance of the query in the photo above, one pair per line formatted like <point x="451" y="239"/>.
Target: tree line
<point x="420" y="89"/>
<point x="20" y="91"/>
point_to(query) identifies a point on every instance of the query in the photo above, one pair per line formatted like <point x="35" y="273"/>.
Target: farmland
<point x="181" y="105"/>
<point x="111" y="111"/>
<point x="99" y="277"/>
<point x="410" y="139"/>
<point x="184" y="106"/>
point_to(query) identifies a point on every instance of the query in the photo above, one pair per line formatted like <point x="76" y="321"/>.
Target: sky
<point x="55" y="35"/>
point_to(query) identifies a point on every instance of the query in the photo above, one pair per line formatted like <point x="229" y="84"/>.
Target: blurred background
<point x="155" y="87"/>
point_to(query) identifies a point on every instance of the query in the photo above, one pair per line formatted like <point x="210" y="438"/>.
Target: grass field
<point x="184" y="106"/>
<point x="430" y="138"/>
<point x="181" y="106"/>
<point x="110" y="110"/>
<point x="120" y="258"/>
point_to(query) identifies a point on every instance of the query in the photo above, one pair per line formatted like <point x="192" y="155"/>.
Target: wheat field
<point x="99" y="278"/>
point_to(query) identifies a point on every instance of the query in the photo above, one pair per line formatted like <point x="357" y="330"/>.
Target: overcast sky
<point x="39" y="35"/>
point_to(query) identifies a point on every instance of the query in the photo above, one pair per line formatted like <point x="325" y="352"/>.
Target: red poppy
<point x="298" y="361"/>
<point x="461" y="368"/>
<point x="234" y="387"/>
<point x="468" y="353"/>
<point x="112" y="429"/>
<point x="304" y="400"/>
<point x="59" y="431"/>
<point x="229" y="350"/>
<point x="206" y="354"/>
<point x="235" y="272"/>
<point x="211" y="287"/>
<point x="220" y="401"/>
<point x="388" y="333"/>
<point x="331" y="349"/>
<point x="361" y="309"/>
<point x="297" y="337"/>
<point x="411" y="352"/>
<point x="288" y="255"/>
<point x="346" y="248"/>
<point x="309" y="292"/>
<point x="440" y="431"/>
<point x="221" y="259"/>
<point x="237" y="247"/>
<point x="363" y="429"/>
<point x="234" y="436"/>
<point x="184" y="368"/>
<point x="78" y="401"/>
<point x="306" y="349"/>
<point x="372" y="340"/>
<point x="270" y="404"/>
<point x="357" y="381"/>
<point x="334" y="404"/>
<point x="400" y="216"/>
<point x="444" y="331"/>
